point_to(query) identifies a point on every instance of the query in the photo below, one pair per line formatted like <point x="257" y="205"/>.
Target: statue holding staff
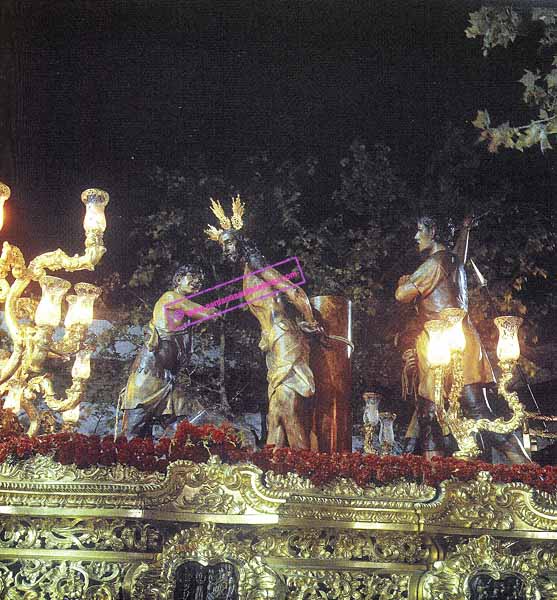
<point x="439" y="283"/>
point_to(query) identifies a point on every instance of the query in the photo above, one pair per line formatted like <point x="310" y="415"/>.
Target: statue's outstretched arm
<point x="194" y="310"/>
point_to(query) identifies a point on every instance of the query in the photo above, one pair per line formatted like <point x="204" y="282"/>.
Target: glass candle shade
<point x="438" y="351"/>
<point x="455" y="334"/>
<point x="13" y="399"/>
<point x="72" y="316"/>
<point x="49" y="310"/>
<point x="508" y="348"/>
<point x="80" y="306"/>
<point x="4" y="195"/>
<point x="386" y="431"/>
<point x="82" y="365"/>
<point x="371" y="409"/>
<point x="95" y="202"/>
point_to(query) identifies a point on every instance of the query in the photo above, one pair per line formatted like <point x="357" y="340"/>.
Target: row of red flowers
<point x="198" y="443"/>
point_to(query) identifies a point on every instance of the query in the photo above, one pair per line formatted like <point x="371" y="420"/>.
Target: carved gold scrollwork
<point x="477" y="504"/>
<point x="208" y="545"/>
<point x="36" y="579"/>
<point x="79" y="534"/>
<point x="331" y="544"/>
<point x="344" y="585"/>
<point x="450" y="579"/>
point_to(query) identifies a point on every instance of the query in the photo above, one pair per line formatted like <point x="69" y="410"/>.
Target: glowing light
<point x="386" y="431"/>
<point x="49" y="310"/>
<point x="13" y="399"/>
<point x="80" y="306"/>
<point x="4" y="195"/>
<point x="455" y="334"/>
<point x="438" y="351"/>
<point x="71" y="416"/>
<point x="508" y="348"/>
<point x="95" y="202"/>
<point x="371" y="410"/>
<point x="82" y="365"/>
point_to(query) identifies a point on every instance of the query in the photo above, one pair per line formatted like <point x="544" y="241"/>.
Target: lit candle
<point x="95" y="202"/>
<point x="82" y="365"/>
<point x="80" y="309"/>
<point x="49" y="310"/>
<point x="455" y="333"/>
<point x="508" y="348"/>
<point x="438" y="351"/>
<point x="4" y="195"/>
<point x="72" y="316"/>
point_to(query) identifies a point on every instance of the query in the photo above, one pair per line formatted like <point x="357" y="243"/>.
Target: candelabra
<point x="371" y="419"/>
<point x="446" y="346"/>
<point x="31" y="325"/>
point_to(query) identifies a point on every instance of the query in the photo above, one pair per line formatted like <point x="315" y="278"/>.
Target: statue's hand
<point x="404" y="279"/>
<point x="410" y="360"/>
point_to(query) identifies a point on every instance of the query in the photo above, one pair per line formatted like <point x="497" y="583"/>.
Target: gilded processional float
<point x="198" y="515"/>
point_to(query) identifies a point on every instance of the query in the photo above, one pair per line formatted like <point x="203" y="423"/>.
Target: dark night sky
<point x="106" y="88"/>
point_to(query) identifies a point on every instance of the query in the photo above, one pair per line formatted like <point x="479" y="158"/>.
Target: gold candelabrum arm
<point x="439" y="397"/>
<point x="72" y="340"/>
<point x="463" y="428"/>
<point x="33" y="343"/>
<point x="74" y="394"/>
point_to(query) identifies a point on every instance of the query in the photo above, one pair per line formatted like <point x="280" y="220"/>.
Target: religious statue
<point x="439" y="283"/>
<point x="149" y="394"/>
<point x="283" y="338"/>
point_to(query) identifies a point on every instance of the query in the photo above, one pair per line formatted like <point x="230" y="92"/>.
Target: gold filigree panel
<point x="40" y="579"/>
<point x="345" y="585"/>
<point x="209" y="545"/>
<point x="450" y="579"/>
<point x="79" y="534"/>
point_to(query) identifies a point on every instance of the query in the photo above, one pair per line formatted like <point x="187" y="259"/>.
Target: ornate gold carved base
<point x="116" y="533"/>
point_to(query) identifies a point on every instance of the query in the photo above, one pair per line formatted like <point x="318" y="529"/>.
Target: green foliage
<point x="496" y="26"/>
<point x="499" y="26"/>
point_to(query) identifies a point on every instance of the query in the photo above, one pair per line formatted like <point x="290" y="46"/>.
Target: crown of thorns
<point x="235" y="222"/>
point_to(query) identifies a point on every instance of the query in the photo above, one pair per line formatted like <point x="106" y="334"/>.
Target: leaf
<point x="551" y="79"/>
<point x="529" y="79"/>
<point x="482" y="120"/>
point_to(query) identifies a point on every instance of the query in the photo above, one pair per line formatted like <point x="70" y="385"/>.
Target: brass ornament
<point x="22" y="375"/>
<point x="207" y="544"/>
<point x="129" y="532"/>
<point x="450" y="579"/>
<point x="344" y="585"/>
<point x="75" y="580"/>
<point x="234" y="222"/>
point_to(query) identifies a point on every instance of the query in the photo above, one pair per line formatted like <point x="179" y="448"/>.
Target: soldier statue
<point x="439" y="283"/>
